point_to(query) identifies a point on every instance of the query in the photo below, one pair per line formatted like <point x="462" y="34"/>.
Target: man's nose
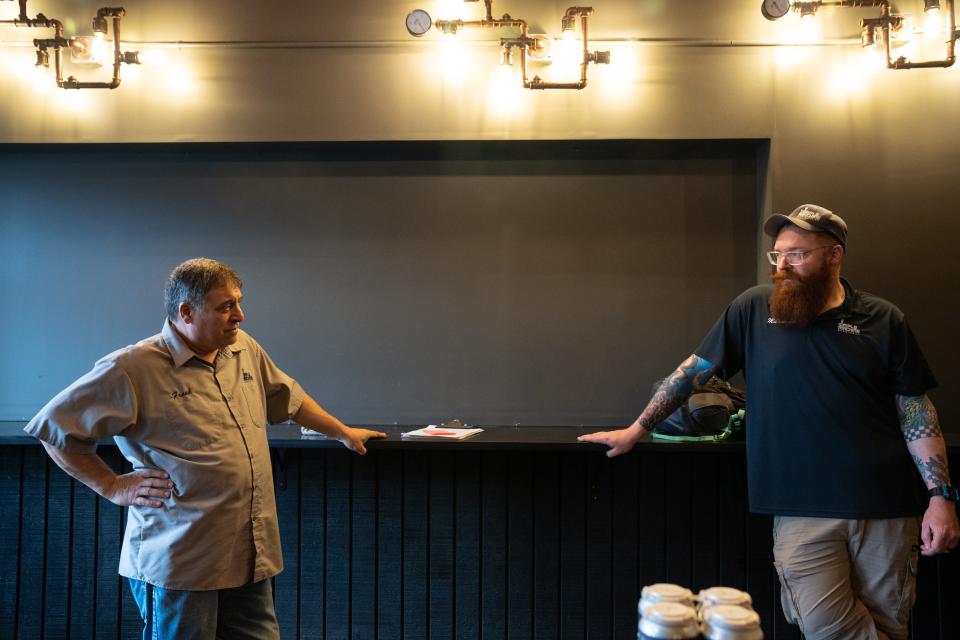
<point x="238" y="313"/>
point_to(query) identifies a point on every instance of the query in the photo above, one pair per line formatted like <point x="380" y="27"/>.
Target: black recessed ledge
<point x="493" y="438"/>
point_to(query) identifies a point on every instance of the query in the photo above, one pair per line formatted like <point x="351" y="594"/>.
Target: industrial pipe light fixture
<point x="419" y="23"/>
<point x="875" y="32"/>
<point x="82" y="48"/>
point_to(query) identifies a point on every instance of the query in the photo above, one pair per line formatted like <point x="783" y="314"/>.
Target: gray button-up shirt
<point x="206" y="427"/>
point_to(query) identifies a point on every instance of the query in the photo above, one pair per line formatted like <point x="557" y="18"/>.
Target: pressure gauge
<point x="771" y="9"/>
<point x="418" y="22"/>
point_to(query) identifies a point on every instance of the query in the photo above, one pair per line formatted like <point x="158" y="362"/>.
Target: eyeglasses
<point x="794" y="258"/>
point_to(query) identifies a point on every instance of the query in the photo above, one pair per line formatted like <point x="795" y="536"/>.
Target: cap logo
<point x="807" y="214"/>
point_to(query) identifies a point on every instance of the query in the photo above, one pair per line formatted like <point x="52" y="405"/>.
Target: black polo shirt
<point x="823" y="434"/>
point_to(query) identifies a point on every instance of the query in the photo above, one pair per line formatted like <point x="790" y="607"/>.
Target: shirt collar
<point x="179" y="350"/>
<point x="852" y="303"/>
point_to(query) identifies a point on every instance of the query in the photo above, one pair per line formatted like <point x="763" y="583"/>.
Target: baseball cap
<point x="810" y="217"/>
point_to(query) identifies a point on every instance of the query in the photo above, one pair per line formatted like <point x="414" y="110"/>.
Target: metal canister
<point x="664" y="592"/>
<point x="723" y="595"/>
<point x="730" y="622"/>
<point x="668" y="621"/>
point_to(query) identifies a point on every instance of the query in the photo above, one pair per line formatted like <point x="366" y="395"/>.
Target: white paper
<point x="433" y="431"/>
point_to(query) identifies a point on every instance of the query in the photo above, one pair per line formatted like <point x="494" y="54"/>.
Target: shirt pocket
<point x="193" y="422"/>
<point x="253" y="397"/>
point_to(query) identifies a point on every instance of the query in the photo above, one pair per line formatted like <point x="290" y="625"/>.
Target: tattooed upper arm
<point x="918" y="418"/>
<point x="699" y="370"/>
<point x="676" y="388"/>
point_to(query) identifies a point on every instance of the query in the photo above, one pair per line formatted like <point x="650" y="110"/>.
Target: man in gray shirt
<point x="188" y="409"/>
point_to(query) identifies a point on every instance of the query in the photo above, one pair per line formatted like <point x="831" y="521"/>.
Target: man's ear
<point x="185" y="311"/>
<point x="836" y="253"/>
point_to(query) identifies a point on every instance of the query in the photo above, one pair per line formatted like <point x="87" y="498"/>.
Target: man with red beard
<point x="844" y="447"/>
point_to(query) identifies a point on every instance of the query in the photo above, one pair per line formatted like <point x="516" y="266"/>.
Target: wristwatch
<point x="945" y="491"/>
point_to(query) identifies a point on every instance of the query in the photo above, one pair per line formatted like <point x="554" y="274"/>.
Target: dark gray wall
<point x="531" y="283"/>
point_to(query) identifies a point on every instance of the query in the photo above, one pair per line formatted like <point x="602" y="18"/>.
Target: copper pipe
<point x="816" y="4"/>
<point x="58" y="43"/>
<point x="584" y="13"/>
<point x="524" y="42"/>
<point x="73" y="83"/>
<point x="585" y="57"/>
<point x="903" y="63"/>
<point x="40" y="22"/>
<point x="505" y="22"/>
<point x="887" y="22"/>
<point x="856" y="3"/>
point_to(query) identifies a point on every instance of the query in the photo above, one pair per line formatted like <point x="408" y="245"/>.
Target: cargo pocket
<point x="908" y="586"/>
<point x="788" y="600"/>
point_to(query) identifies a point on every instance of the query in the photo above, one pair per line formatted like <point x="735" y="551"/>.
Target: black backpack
<point x="716" y="411"/>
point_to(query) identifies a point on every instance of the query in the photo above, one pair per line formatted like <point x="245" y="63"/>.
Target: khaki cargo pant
<point x="849" y="579"/>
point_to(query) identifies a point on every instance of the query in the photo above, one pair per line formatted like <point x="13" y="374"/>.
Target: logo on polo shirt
<point x="770" y="320"/>
<point x="846" y="327"/>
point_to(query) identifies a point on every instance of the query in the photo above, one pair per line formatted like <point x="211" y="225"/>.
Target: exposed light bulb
<point x="131" y="74"/>
<point x="449" y="8"/>
<point x="566" y="52"/>
<point x="41" y="80"/>
<point x="153" y="57"/>
<point x="932" y="22"/>
<point x="809" y="29"/>
<point x="503" y="92"/>
<point x="100" y="48"/>
<point x="875" y="56"/>
<point x="451" y="61"/>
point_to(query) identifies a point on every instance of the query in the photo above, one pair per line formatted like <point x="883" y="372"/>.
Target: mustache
<point x="779" y="276"/>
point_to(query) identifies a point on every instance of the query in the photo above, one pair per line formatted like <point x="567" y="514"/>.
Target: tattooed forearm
<point x="674" y="391"/>
<point x="918" y="418"/>
<point x="933" y="470"/>
<point x="921" y="431"/>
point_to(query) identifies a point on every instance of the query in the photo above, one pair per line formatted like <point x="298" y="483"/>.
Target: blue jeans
<point x="243" y="612"/>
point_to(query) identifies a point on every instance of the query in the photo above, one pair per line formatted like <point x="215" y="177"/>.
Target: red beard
<point x="799" y="300"/>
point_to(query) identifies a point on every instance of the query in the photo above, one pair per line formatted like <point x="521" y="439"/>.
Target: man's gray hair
<point x="192" y="280"/>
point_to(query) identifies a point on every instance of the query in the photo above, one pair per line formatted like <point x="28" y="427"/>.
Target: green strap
<point x="734" y="425"/>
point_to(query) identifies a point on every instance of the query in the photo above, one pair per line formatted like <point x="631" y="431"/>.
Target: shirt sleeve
<point x="284" y="395"/>
<point x="99" y="405"/>
<point x="723" y="345"/>
<point x="911" y="373"/>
